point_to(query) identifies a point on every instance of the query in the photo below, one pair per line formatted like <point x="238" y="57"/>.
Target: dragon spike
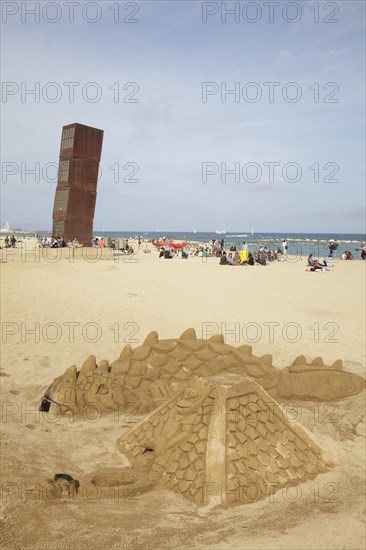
<point x="151" y="339"/>
<point x="189" y="334"/>
<point x="103" y="365"/>
<point x="245" y="349"/>
<point x="71" y="372"/>
<point x="338" y="365"/>
<point x="126" y="352"/>
<point x="217" y="338"/>
<point x="267" y="359"/>
<point x="317" y="362"/>
<point x="300" y="360"/>
<point x="88" y="366"/>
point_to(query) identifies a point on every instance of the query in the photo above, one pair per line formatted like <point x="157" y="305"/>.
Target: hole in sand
<point x="147" y="450"/>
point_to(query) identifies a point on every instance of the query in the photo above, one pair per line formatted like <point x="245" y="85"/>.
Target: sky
<point x="212" y="119"/>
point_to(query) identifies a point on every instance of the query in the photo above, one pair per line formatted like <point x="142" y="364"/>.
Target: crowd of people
<point x="263" y="257"/>
<point x="58" y="242"/>
<point x="231" y="254"/>
<point x="170" y="253"/>
<point x="315" y="265"/>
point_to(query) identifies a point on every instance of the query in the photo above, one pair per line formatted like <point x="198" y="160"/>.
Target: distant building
<point x="76" y="191"/>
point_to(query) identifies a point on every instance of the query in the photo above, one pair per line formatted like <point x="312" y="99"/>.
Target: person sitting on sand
<point x="261" y="258"/>
<point x="161" y="253"/>
<point x="250" y="260"/>
<point x="76" y="243"/>
<point x="236" y="259"/>
<point x="223" y="259"/>
<point x="349" y="255"/>
<point x="230" y="259"/>
<point x="315" y="264"/>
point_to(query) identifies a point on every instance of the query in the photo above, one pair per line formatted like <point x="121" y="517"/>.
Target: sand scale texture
<point x="222" y="441"/>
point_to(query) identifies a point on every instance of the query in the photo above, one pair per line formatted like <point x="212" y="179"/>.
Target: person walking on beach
<point x="363" y="251"/>
<point x="333" y="247"/>
<point x="284" y="247"/>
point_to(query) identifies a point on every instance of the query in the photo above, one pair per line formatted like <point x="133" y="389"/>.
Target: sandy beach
<point x="55" y="314"/>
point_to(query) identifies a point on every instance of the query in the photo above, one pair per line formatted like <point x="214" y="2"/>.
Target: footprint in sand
<point x="3" y="373"/>
<point x="31" y="426"/>
<point x="14" y="392"/>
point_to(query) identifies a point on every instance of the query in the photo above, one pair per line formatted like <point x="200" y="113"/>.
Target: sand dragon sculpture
<point x="214" y="430"/>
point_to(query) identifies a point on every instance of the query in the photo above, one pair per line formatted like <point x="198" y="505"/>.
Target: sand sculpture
<point x="222" y="441"/>
<point x="150" y="374"/>
<point x="214" y="431"/>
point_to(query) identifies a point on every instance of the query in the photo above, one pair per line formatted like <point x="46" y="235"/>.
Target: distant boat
<point x="220" y="231"/>
<point x="252" y="231"/>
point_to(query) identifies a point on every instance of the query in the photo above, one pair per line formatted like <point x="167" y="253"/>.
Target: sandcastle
<point x="222" y="441"/>
<point x="213" y="430"/>
<point x="150" y="374"/>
